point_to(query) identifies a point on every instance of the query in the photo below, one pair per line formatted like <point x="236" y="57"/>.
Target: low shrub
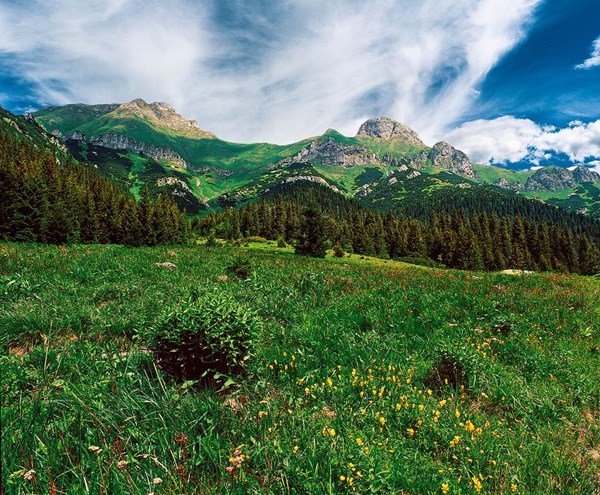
<point x="240" y="267"/>
<point x="205" y="338"/>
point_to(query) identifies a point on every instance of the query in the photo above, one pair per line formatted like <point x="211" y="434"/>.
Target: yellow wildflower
<point x="445" y="488"/>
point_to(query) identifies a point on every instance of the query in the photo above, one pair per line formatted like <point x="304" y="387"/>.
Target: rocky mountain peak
<point x="163" y="115"/>
<point x="386" y="128"/>
<point x="583" y="174"/>
<point x="446" y="156"/>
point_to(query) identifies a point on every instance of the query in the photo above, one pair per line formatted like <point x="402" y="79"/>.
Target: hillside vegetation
<point x="362" y="376"/>
<point x="384" y="165"/>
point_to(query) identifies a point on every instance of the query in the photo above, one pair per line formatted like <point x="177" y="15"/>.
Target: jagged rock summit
<point x="163" y="115"/>
<point x="386" y="128"/>
<point x="583" y="174"/>
<point x="448" y="157"/>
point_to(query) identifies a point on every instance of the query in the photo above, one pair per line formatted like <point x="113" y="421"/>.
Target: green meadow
<point x="360" y="376"/>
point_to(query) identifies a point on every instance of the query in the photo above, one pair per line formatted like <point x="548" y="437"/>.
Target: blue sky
<point x="513" y="82"/>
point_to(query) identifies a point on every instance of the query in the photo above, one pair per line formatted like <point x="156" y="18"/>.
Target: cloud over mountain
<point x="508" y="139"/>
<point x="255" y="70"/>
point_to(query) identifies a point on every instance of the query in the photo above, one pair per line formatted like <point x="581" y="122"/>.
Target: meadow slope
<point x="366" y="377"/>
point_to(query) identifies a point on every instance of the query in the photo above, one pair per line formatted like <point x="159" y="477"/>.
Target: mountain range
<point x="385" y="165"/>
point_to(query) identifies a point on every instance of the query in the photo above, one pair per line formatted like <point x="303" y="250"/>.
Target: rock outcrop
<point x="446" y="156"/>
<point x="550" y="179"/>
<point x="386" y="128"/>
<point x="333" y="153"/>
<point x="583" y="174"/>
<point x="556" y="178"/>
<point x="180" y="187"/>
<point x="510" y="185"/>
<point x="122" y="142"/>
<point x="161" y="115"/>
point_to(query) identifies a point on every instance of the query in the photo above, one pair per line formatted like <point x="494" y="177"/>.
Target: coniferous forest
<point x="540" y="238"/>
<point x="45" y="197"/>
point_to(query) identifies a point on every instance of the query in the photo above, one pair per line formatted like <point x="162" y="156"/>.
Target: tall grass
<point x="368" y="377"/>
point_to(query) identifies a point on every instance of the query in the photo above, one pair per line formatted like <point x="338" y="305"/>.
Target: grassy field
<point x="365" y="377"/>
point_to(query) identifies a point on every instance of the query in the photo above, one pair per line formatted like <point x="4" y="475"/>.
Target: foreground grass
<point x="370" y="377"/>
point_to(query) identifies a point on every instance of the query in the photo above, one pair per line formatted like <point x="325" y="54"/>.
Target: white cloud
<point x="299" y="68"/>
<point x="509" y="139"/>
<point x="594" y="58"/>
<point x="594" y="165"/>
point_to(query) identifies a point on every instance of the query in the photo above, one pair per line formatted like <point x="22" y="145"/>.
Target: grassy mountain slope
<point x="216" y="173"/>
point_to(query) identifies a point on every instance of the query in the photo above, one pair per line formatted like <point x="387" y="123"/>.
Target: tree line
<point x="458" y="238"/>
<point x="46" y="197"/>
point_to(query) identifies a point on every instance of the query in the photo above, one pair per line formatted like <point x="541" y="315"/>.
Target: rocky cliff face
<point x="446" y="156"/>
<point x="122" y="142"/>
<point x="510" y="185"/>
<point x="386" y="128"/>
<point x="555" y="178"/>
<point x="333" y="153"/>
<point x="583" y="174"/>
<point x="550" y="179"/>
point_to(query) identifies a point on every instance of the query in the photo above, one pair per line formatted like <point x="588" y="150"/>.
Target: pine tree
<point x="312" y="238"/>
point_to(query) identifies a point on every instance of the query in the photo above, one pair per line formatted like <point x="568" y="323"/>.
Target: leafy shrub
<point x="281" y="243"/>
<point x="241" y="267"/>
<point x="204" y="338"/>
<point x="255" y="238"/>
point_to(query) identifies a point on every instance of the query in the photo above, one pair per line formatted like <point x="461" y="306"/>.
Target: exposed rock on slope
<point x="446" y="156"/>
<point x="550" y="179"/>
<point x="333" y="153"/>
<point x="582" y="174"/>
<point x="510" y="185"/>
<point x="161" y="115"/>
<point x="122" y="142"/>
<point x="386" y="128"/>
<point x="555" y="178"/>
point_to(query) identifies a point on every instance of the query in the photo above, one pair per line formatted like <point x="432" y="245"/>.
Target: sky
<point x="510" y="82"/>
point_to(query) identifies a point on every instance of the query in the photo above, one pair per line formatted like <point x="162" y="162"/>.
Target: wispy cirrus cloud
<point x="258" y="70"/>
<point x="594" y="59"/>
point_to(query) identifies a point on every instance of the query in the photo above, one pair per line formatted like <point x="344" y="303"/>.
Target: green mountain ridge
<point x="139" y="144"/>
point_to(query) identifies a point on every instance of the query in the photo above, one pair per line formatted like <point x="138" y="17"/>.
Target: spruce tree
<point x="312" y="238"/>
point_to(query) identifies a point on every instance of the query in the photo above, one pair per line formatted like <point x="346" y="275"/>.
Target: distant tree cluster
<point x="458" y="239"/>
<point x="42" y="200"/>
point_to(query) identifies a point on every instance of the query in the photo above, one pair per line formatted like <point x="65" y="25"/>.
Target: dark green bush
<point x="240" y="267"/>
<point x="204" y="338"/>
